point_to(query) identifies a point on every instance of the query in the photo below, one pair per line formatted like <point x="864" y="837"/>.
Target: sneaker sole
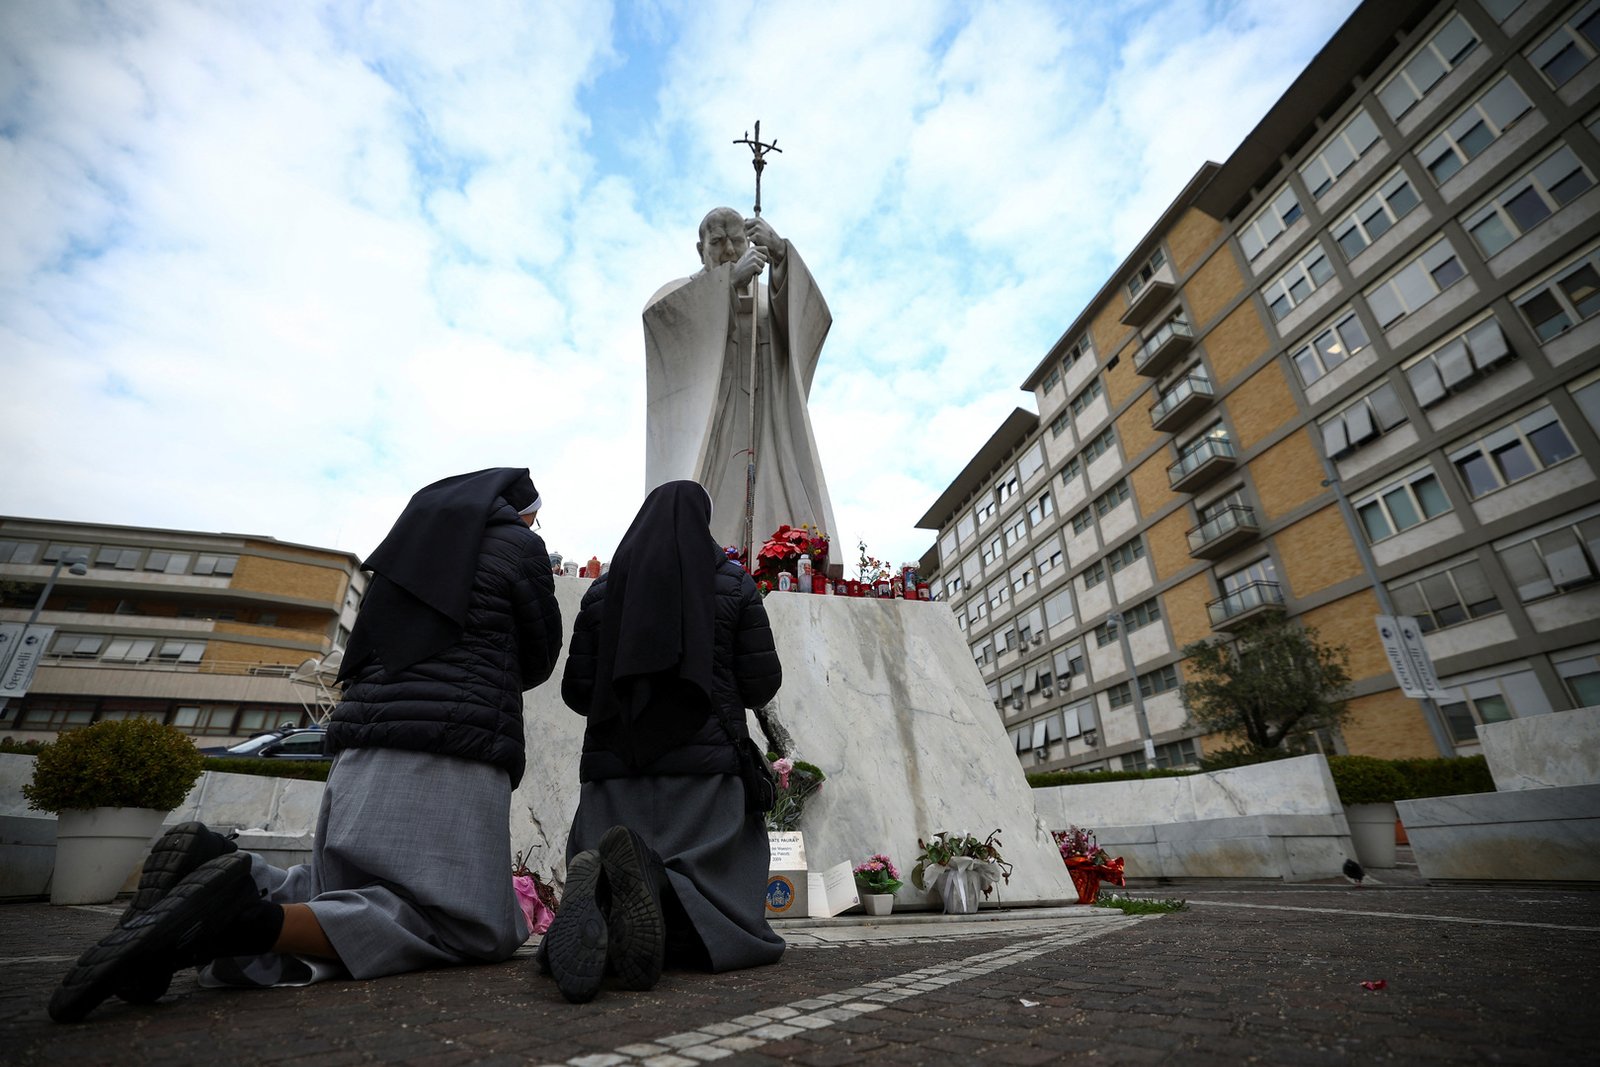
<point x="638" y="930"/>
<point x="576" y="941"/>
<point x="178" y="852"/>
<point x="152" y="937"/>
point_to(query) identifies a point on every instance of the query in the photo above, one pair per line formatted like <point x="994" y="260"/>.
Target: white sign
<point x="1408" y="658"/>
<point x="788" y="850"/>
<point x="10" y="635"/>
<point x="18" y="672"/>
<point x="831" y="891"/>
<point x="1149" y="750"/>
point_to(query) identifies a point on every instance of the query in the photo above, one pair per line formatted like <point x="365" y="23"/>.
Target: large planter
<point x="97" y="849"/>
<point x="961" y="890"/>
<point x="1372" y="832"/>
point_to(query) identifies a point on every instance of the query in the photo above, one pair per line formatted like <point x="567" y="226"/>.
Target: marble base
<point x="1540" y="751"/>
<point x="1548" y="834"/>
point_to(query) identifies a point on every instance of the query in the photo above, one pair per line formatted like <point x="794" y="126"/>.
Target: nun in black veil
<point x="667" y="856"/>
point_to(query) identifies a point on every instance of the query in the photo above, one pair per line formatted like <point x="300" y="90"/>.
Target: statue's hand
<point x="759" y="232"/>
<point x="750" y="264"/>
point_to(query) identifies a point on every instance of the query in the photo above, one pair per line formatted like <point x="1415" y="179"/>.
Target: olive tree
<point x="1271" y="681"/>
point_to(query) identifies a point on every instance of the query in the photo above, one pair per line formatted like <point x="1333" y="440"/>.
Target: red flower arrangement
<point x="784" y="548"/>
<point x="1087" y="863"/>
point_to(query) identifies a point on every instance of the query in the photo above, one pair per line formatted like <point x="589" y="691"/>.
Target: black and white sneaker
<point x="172" y="934"/>
<point x="575" y="945"/>
<point x="634" y="921"/>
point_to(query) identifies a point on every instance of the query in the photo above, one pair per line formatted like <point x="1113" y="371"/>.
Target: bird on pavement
<point x="1354" y="872"/>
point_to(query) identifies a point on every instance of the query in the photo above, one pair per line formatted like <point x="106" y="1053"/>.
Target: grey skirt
<point x="716" y="855"/>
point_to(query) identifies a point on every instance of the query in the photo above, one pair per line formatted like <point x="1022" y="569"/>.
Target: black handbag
<point x="755" y="773"/>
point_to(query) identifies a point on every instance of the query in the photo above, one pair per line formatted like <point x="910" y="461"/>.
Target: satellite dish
<point x="306" y="669"/>
<point x="331" y="662"/>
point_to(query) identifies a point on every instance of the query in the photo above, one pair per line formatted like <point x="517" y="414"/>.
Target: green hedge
<point x="309" y="770"/>
<point x="1041" y="779"/>
<point x="1447" y="777"/>
<point x="21" y="748"/>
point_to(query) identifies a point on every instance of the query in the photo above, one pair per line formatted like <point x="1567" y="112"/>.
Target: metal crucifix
<point x="758" y="160"/>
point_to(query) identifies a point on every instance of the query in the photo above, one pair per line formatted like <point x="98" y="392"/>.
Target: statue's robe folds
<point x="697" y="378"/>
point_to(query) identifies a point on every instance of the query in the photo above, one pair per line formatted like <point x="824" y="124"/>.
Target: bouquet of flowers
<point x="1087" y="863"/>
<point x="797" y="781"/>
<point x="877" y="875"/>
<point x="785" y="547"/>
<point x="961" y="850"/>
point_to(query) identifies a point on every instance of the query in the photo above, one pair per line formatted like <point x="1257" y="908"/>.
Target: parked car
<point x="294" y="742"/>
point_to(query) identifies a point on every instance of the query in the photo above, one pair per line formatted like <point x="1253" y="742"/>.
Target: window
<point x="1373" y="217"/>
<point x="1143" y="614"/>
<point x="947" y="548"/>
<point x="1021" y="577"/>
<point x="181" y="651"/>
<point x="1513" y="452"/>
<point x="1212" y="441"/>
<point x="1452" y="42"/>
<point x="1114" y="495"/>
<point x="1587" y="395"/>
<point x="1262" y="572"/>
<point x="1119" y="695"/>
<point x="1031" y="461"/>
<point x="56" y="713"/>
<point x="1463" y="716"/>
<point x="1174" y="754"/>
<point x="1270" y="223"/>
<point x="1094" y="574"/>
<point x="1104" y="442"/>
<point x="1006" y="641"/>
<point x="1500" y="10"/>
<point x="1058" y="609"/>
<point x="205" y="718"/>
<point x="1291" y="288"/>
<point x="1082" y="521"/>
<point x="18" y="552"/>
<point x="977" y="610"/>
<point x="1454" y="595"/>
<point x="1084" y="348"/>
<point x="122" y="559"/>
<point x="971" y="570"/>
<point x="1142" y="276"/>
<point x="1564" y="299"/>
<point x="1073" y="468"/>
<point x="1069" y="663"/>
<point x="1582" y="679"/>
<point x="1343" y="338"/>
<point x="1564" y="557"/>
<point x="998" y="595"/>
<point x="1462" y="360"/>
<point x="991" y="551"/>
<point x="1006" y="488"/>
<point x="1416" y="283"/>
<point x="70" y="553"/>
<point x="1474" y="128"/>
<point x="1342" y="150"/>
<point x="982" y="653"/>
<point x="1527" y="200"/>
<point x="222" y="565"/>
<point x="1087" y="396"/>
<point x="1160" y="680"/>
<point x="986" y="510"/>
<point x="1048" y="557"/>
<point x="129" y="650"/>
<point x="1571" y="47"/>
<point x="1402" y="504"/>
<point x="1052" y="379"/>
<point x="77" y="646"/>
<point x="1041" y="509"/>
<point x="1362" y="422"/>
<point x="1059" y="424"/>
<point x="1017" y="531"/>
<point x="1125" y="554"/>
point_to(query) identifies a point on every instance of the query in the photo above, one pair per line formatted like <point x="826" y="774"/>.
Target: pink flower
<point x="781" y="767"/>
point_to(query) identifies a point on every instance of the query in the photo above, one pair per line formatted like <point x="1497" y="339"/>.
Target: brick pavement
<point x="1250" y="974"/>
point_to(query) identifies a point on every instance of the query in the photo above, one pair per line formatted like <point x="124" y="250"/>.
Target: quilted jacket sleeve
<point x="538" y="616"/>
<point x="577" y="681"/>
<point x="756" y="668"/>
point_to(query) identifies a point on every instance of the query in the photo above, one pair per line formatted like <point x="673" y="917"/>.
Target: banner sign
<point x="1408" y="658"/>
<point x="29" y="649"/>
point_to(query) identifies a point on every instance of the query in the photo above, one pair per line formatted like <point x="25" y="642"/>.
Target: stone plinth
<point x="1280" y="820"/>
<point x="1527" y="835"/>
<point x="1541" y="751"/>
<point x="883" y="696"/>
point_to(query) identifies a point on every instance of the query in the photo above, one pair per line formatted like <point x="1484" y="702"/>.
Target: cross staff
<point x="758" y="160"/>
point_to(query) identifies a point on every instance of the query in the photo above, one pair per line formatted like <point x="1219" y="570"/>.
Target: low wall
<point x="284" y="809"/>
<point x="1543" y="821"/>
<point x="1278" y="820"/>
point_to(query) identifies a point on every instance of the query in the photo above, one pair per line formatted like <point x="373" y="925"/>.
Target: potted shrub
<point x="110" y="786"/>
<point x="1368" y="788"/>
<point x="877" y="880"/>
<point x="964" y="865"/>
<point x="1087" y="863"/>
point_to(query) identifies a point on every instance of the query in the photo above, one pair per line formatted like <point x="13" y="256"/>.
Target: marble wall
<point x="1541" y="751"/>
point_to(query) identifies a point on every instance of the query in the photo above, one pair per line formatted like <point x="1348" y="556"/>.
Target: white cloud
<point x="272" y="268"/>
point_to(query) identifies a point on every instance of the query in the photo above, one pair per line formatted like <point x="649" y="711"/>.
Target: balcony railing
<point x="1151" y="295"/>
<point x="1161" y="348"/>
<point x="1230" y="528"/>
<point x="1243" y="603"/>
<point x="1192" y="395"/>
<point x="1204" y="461"/>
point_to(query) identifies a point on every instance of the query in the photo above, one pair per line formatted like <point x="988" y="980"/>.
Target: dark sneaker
<point x="150" y="946"/>
<point x="575" y="944"/>
<point x="634" y="922"/>
<point x="178" y="852"/>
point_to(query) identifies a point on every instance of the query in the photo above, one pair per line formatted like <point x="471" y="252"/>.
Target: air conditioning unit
<point x="1038" y="639"/>
<point x="1041" y="753"/>
<point x="1016" y="703"/>
<point x="1049" y="692"/>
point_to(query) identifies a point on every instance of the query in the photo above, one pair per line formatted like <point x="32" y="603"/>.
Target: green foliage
<point x="1042" y="779"/>
<point x="945" y="846"/>
<point x="1136" y="906"/>
<point x="311" y="770"/>
<point x="1244" y="756"/>
<point x="1367" y="780"/>
<point x="1446" y="777"/>
<point x="1272" y="681"/>
<point x="22" y="748"/>
<point x="118" y="763"/>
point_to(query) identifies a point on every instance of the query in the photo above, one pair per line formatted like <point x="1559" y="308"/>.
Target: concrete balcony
<point x="1181" y="403"/>
<point x="1203" y="464"/>
<point x="1246" y="602"/>
<point x="1148" y="296"/>
<point x="1231" y="529"/>
<point x="1161" y="349"/>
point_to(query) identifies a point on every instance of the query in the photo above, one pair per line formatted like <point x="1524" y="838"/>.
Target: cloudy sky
<point x="269" y="268"/>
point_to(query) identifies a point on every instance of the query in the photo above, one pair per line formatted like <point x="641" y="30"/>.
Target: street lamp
<point x="76" y="566"/>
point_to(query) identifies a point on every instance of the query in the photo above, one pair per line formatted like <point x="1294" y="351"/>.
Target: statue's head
<point x="722" y="237"/>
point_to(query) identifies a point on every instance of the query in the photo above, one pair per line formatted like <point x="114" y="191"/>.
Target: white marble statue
<point x="697" y="376"/>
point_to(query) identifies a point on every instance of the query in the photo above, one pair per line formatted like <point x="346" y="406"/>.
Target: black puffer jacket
<point x="467" y="700"/>
<point x="745" y="673"/>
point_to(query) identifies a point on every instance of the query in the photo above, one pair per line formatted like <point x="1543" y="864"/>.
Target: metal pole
<point x="78" y="567"/>
<point x="1115" y="619"/>
<point x="1430" y="710"/>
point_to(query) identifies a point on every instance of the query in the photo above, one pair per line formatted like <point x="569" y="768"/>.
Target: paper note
<point x="831" y="891"/>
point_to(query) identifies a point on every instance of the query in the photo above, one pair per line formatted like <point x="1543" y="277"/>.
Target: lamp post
<point x="75" y="566"/>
